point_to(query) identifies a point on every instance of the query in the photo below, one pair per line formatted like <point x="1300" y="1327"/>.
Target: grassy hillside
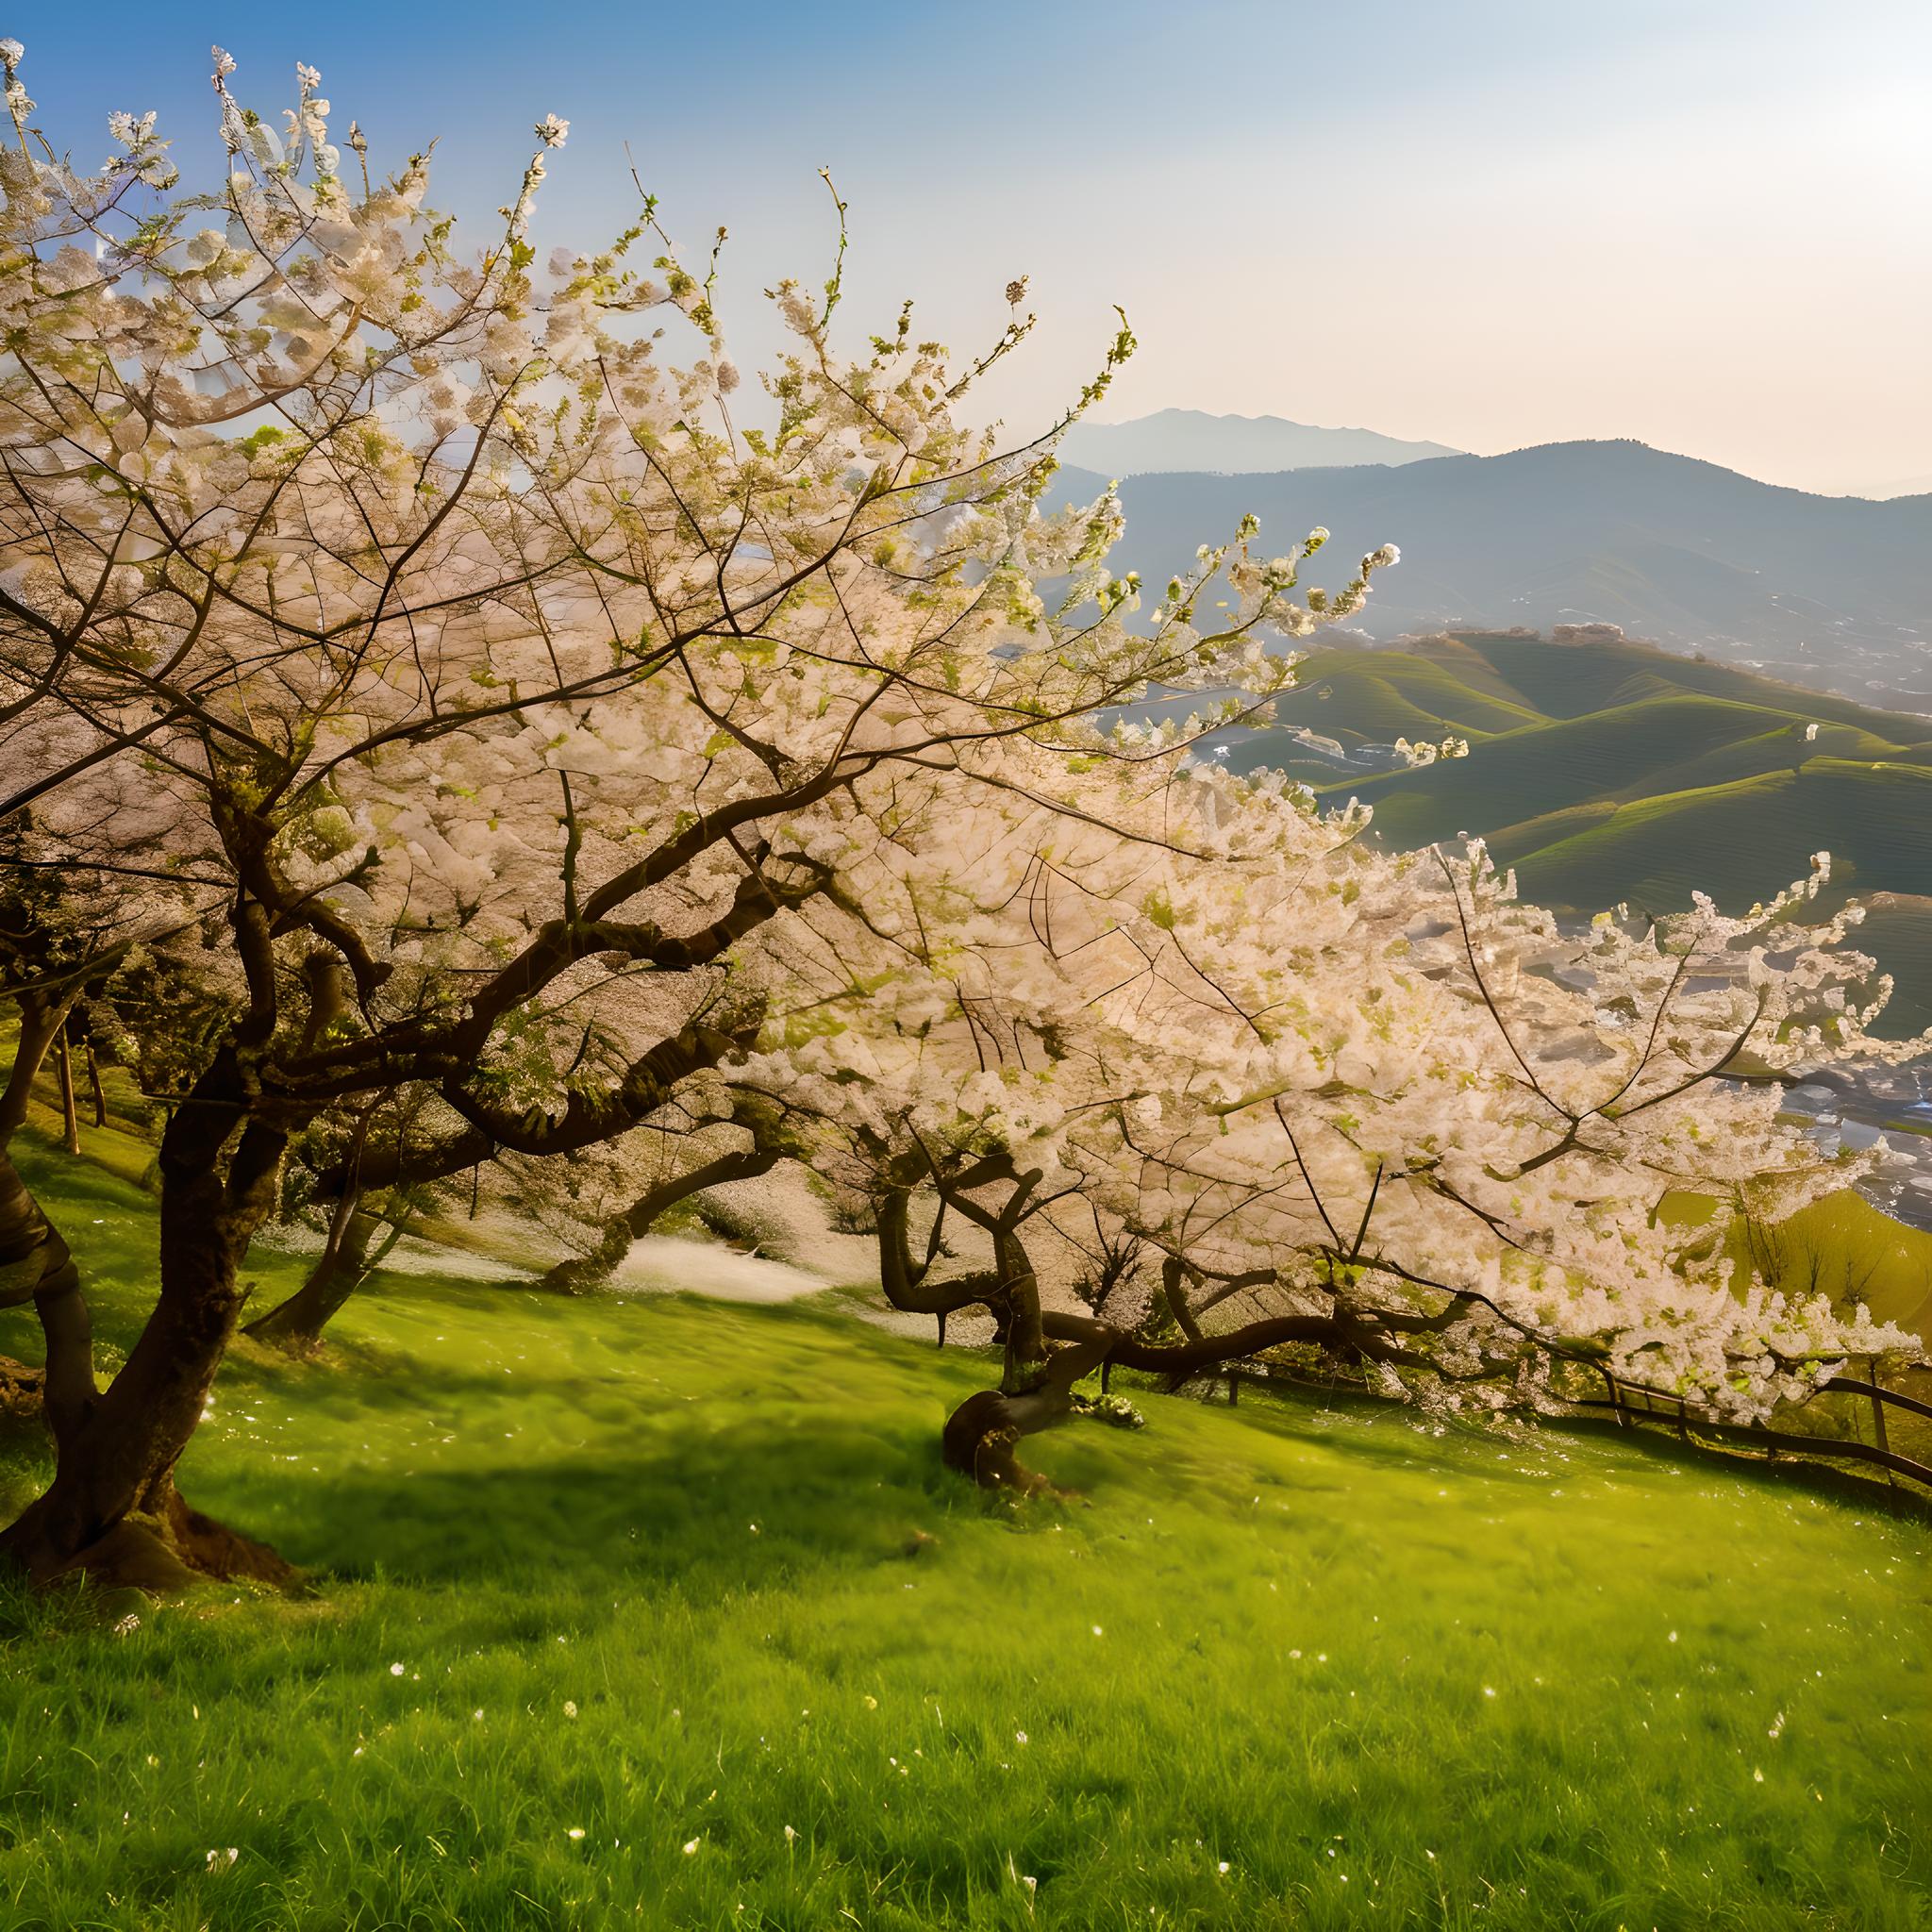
<point x="1486" y="684"/>
<point x="1605" y="769"/>
<point x="663" y="1613"/>
<point x="1626" y="752"/>
<point x="1739" y="841"/>
<point x="1361" y="697"/>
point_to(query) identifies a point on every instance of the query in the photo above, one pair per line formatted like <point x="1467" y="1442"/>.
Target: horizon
<point x="1654" y="276"/>
<point x="1923" y="483"/>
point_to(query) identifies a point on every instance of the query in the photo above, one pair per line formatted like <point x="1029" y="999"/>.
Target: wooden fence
<point x="1633" y="1406"/>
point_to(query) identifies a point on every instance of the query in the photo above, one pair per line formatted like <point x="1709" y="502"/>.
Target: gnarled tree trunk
<point x="1036" y="1387"/>
<point x="982" y="1434"/>
<point x="582" y="1272"/>
<point x="111" y="1508"/>
<point x="351" y="1255"/>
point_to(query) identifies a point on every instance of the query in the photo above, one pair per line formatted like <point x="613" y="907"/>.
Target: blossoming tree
<point x="1320" y="1098"/>
<point x="470" y="695"/>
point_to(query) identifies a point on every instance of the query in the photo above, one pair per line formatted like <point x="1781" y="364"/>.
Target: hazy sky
<point x="1705" y="224"/>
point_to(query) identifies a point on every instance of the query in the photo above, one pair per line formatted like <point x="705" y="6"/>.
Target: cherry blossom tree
<point x="508" y="736"/>
<point x="1363" y="1110"/>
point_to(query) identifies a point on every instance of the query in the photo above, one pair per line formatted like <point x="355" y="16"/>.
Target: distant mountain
<point x="1830" y="593"/>
<point x="1898" y="486"/>
<point x="1231" y="445"/>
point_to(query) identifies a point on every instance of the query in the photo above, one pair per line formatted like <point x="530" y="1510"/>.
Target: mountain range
<point x="1231" y="445"/>
<point x="1826" y="593"/>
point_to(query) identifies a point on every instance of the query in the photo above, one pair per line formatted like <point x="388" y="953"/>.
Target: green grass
<point x="1386" y="1675"/>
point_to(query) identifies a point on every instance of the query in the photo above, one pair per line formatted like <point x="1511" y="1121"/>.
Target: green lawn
<point x="624" y="1618"/>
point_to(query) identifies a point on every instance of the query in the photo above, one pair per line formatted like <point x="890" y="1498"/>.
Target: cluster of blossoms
<point x="1428" y="751"/>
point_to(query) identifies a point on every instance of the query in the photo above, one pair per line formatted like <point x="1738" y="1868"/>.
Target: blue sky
<point x="1703" y="224"/>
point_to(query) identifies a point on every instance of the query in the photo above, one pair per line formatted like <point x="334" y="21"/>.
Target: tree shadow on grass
<point x="714" y="1511"/>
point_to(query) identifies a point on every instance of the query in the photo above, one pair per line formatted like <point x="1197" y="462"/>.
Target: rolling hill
<point x="1874" y="820"/>
<point x="1605" y="769"/>
<point x="1828" y="592"/>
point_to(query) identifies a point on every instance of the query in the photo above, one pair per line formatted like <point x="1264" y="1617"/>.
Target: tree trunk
<point x="1026" y="1339"/>
<point x="1036" y="1387"/>
<point x="70" y="1118"/>
<point x="346" y="1262"/>
<point x="111" y="1508"/>
<point x="93" y="1087"/>
<point x="39" y="1022"/>
<point x="982" y="1433"/>
<point x="36" y="1266"/>
<point x="584" y="1271"/>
